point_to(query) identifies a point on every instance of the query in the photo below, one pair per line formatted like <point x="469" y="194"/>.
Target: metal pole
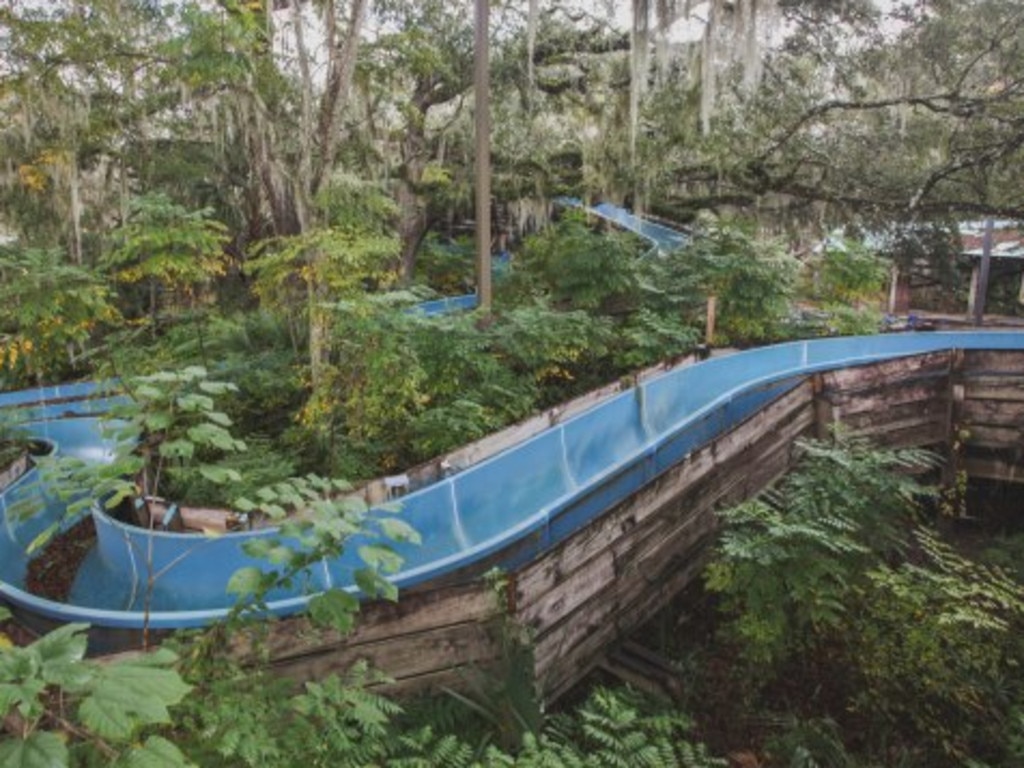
<point x="482" y="125"/>
<point x="981" y="293"/>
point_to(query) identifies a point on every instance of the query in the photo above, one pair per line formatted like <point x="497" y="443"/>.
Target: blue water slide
<point x="662" y="238"/>
<point x="504" y="511"/>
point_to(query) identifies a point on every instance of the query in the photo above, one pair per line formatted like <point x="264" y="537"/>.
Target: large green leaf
<point x="398" y="530"/>
<point x="245" y="581"/>
<point x="39" y="750"/>
<point x="24" y="695"/>
<point x="177" y="449"/>
<point x="335" y="608"/>
<point x="61" y="655"/>
<point x="156" y="752"/>
<point x="129" y="695"/>
<point x="220" y="475"/>
<point x="380" y="556"/>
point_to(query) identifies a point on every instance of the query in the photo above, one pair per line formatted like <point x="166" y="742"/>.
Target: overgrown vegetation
<point x="849" y="631"/>
<point x="188" y="210"/>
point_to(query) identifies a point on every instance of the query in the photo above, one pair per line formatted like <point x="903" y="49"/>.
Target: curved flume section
<point x="663" y="239"/>
<point x="503" y="511"/>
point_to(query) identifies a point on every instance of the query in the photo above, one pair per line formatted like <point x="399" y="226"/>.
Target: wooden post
<point x="824" y="413"/>
<point x="986" y="261"/>
<point x="709" y="333"/>
<point x="894" y="282"/>
<point x="482" y="126"/>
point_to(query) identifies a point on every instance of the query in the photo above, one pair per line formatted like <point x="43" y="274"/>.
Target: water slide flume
<point x="662" y="239"/>
<point x="503" y="511"/>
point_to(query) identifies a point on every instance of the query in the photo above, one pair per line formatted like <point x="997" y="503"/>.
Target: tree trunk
<point x="341" y="66"/>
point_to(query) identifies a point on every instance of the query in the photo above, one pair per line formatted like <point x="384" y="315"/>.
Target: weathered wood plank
<point x="984" y="362"/>
<point x="560" y="668"/>
<point x="996" y="413"/>
<point x="415" y="611"/>
<point x="764" y="421"/>
<point x="603" y="618"/>
<point x="980" y="435"/>
<point x="907" y="433"/>
<point x="876" y="375"/>
<point x="880" y="413"/>
<point x="991" y="468"/>
<point x="412" y="655"/>
<point x="994" y="387"/>
<point x="896" y="394"/>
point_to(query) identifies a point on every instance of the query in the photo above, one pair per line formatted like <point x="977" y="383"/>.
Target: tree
<point x="49" y="313"/>
<point x="167" y="247"/>
<point x="77" y="83"/>
<point x="302" y="275"/>
<point x="421" y="72"/>
<point x="937" y="94"/>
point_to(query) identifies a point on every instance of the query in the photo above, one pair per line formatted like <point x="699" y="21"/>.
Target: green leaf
<point x="61" y="646"/>
<point x="156" y="752"/>
<point x="244" y="505"/>
<point x="192" y="372"/>
<point x="398" y="530"/>
<point x="40" y="750"/>
<point x="245" y="581"/>
<point x="178" y="449"/>
<point x="192" y="403"/>
<point x="215" y="436"/>
<point x="129" y="695"/>
<point x="23" y="695"/>
<point x="380" y="557"/>
<point x="217" y="387"/>
<point x="40" y="539"/>
<point x="281" y="554"/>
<point x="218" y="417"/>
<point x="335" y="608"/>
<point x="148" y="392"/>
<point x="375" y="585"/>
<point x="220" y="475"/>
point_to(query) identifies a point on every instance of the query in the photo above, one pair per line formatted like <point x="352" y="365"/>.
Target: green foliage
<point x="353" y="244"/>
<point x="617" y="728"/>
<point x="255" y="352"/>
<point x="49" y="311"/>
<point x="168" y="425"/>
<point x="849" y="273"/>
<point x="163" y="243"/>
<point x="554" y="349"/>
<point x="67" y="709"/>
<point x="753" y="279"/>
<point x="908" y="649"/>
<point x="332" y="722"/>
<point x="446" y="267"/>
<point x="938" y="646"/>
<point x="579" y="268"/>
<point x="171" y="426"/>
<point x="646" y="338"/>
<point x="852" y="321"/>
<point x="315" y="517"/>
<point x="815" y="743"/>
<point x="399" y="388"/>
<point x="14" y="441"/>
<point x="790" y="561"/>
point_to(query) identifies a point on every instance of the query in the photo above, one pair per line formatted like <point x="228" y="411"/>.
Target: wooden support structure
<point x="597" y="587"/>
